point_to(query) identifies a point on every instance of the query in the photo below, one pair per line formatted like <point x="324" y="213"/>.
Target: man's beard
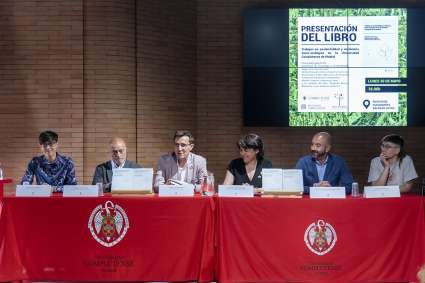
<point x="317" y="154"/>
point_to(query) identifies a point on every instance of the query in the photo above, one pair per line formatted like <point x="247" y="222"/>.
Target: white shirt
<point x="399" y="174"/>
<point x="115" y="166"/>
<point x="181" y="172"/>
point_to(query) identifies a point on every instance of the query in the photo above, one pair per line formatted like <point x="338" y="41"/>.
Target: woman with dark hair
<point x="393" y="167"/>
<point x="50" y="168"/>
<point x="247" y="168"/>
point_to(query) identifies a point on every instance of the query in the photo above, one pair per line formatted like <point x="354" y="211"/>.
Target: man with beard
<point x="323" y="169"/>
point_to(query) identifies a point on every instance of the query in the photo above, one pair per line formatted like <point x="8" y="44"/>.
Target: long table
<point x="150" y="239"/>
<point x="311" y="240"/>
<point x="209" y="238"/>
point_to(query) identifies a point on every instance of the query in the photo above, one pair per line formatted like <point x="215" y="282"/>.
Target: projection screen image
<point x="348" y="67"/>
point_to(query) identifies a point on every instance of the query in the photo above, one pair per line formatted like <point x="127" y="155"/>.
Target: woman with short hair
<point x="247" y="169"/>
<point x="393" y="167"/>
<point x="50" y="168"/>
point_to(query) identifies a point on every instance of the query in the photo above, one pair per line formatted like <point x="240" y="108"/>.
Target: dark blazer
<point x="103" y="173"/>
<point x="336" y="173"/>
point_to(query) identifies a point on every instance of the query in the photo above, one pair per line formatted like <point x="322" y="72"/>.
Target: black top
<point x="237" y="168"/>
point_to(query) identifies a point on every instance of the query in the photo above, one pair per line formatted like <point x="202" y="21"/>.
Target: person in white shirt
<point x="393" y="167"/>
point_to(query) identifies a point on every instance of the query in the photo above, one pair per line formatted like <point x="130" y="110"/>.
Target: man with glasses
<point x="323" y="169"/>
<point x="182" y="165"/>
<point x="393" y="167"/>
<point x="50" y="168"/>
<point x="118" y="152"/>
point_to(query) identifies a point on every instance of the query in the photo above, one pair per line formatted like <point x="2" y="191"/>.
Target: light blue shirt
<point x="321" y="168"/>
<point x="336" y="173"/>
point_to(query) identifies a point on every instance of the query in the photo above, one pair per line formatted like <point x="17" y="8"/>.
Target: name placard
<point x="381" y="192"/>
<point x="132" y="180"/>
<point x="242" y="191"/>
<point x="33" y="191"/>
<point x="175" y="190"/>
<point x="82" y="191"/>
<point x="327" y="192"/>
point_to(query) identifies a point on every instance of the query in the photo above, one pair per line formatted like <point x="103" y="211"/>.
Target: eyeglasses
<point x="119" y="151"/>
<point x="182" y="145"/>
<point x="49" y="144"/>
<point x="388" y="146"/>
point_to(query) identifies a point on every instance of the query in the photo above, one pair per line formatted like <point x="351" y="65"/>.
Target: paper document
<point x="132" y="179"/>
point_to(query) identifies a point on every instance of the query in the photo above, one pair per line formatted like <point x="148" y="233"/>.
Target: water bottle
<point x="207" y="185"/>
<point x="203" y="186"/>
<point x="99" y="188"/>
<point x="210" y="184"/>
<point x="355" y="193"/>
<point x="1" y="173"/>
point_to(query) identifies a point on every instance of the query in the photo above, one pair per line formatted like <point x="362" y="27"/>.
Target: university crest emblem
<point x="108" y="224"/>
<point x="320" y="237"/>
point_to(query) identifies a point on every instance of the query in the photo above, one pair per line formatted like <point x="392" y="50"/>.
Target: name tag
<point x="381" y="192"/>
<point x="327" y="192"/>
<point x="241" y="191"/>
<point x="33" y="191"/>
<point x="175" y="190"/>
<point x="82" y="191"/>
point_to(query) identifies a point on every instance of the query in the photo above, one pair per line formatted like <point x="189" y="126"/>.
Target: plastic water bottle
<point x="355" y="193"/>
<point x="207" y="185"/>
<point x="210" y="184"/>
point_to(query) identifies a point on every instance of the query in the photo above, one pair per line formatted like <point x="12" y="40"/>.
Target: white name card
<point x="176" y="190"/>
<point x="381" y="192"/>
<point x="82" y="191"/>
<point x="242" y="191"/>
<point x="283" y="180"/>
<point x="132" y="179"/>
<point x="33" y="191"/>
<point x="327" y="192"/>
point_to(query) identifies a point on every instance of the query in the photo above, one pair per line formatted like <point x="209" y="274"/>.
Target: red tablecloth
<point x="172" y="239"/>
<point x="357" y="240"/>
<point x="49" y="239"/>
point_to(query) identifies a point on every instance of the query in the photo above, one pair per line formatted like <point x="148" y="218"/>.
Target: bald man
<point x="103" y="172"/>
<point x="323" y="169"/>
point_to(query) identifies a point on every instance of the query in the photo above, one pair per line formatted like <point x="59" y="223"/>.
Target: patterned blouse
<point x="56" y="174"/>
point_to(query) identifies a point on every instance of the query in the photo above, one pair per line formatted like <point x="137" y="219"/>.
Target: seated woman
<point x="393" y="167"/>
<point x="51" y="168"/>
<point x="247" y="168"/>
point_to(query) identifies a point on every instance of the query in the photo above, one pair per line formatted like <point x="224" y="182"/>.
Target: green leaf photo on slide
<point x="297" y="118"/>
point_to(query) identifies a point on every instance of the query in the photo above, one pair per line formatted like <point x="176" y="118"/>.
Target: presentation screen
<point x="343" y="67"/>
<point x="348" y="67"/>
